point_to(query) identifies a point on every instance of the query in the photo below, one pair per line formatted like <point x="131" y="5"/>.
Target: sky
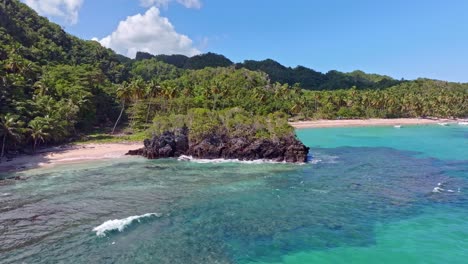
<point x="399" y="38"/>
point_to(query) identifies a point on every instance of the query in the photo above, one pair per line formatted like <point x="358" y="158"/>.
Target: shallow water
<point x="366" y="197"/>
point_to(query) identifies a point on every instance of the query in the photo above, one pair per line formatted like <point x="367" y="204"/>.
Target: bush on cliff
<point x="233" y="122"/>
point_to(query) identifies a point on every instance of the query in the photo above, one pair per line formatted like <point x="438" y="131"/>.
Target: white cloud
<point x="164" y="3"/>
<point x="149" y="32"/>
<point x="190" y="3"/>
<point x="158" y="3"/>
<point x="66" y="9"/>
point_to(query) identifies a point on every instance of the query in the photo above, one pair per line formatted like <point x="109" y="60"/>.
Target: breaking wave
<point x="259" y="161"/>
<point x="120" y="224"/>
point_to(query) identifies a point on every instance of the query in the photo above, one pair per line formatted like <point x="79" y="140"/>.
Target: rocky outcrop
<point x="167" y="145"/>
<point x="175" y="144"/>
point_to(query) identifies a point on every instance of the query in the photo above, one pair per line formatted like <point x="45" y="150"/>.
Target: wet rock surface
<point x="175" y="144"/>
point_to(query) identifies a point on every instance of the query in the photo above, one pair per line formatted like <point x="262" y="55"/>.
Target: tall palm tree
<point x="170" y="92"/>
<point x="215" y="91"/>
<point x="9" y="128"/>
<point x="152" y="90"/>
<point x="38" y="132"/>
<point x="137" y="88"/>
<point x="124" y="93"/>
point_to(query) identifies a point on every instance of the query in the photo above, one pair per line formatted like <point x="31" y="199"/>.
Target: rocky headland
<point x="222" y="146"/>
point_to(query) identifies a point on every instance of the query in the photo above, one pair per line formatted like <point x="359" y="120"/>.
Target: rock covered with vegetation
<point x="226" y="134"/>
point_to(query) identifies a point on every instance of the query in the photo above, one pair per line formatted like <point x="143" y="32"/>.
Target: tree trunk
<point x="34" y="145"/>
<point x="3" y="146"/>
<point x="148" y="113"/>
<point x="120" y="116"/>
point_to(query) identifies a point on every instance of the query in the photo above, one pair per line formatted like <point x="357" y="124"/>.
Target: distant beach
<point x="371" y="122"/>
<point x="68" y="154"/>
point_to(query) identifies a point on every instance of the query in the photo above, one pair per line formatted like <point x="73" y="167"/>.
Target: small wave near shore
<point x="204" y="161"/>
<point x="121" y="224"/>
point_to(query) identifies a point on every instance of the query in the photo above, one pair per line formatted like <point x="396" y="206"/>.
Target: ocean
<point x="368" y="195"/>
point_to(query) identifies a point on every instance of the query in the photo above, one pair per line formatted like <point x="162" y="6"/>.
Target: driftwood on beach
<point x="215" y="146"/>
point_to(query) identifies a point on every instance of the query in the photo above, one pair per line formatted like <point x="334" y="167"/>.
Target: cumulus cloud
<point x="159" y="3"/>
<point x="66" y="9"/>
<point x="149" y="32"/>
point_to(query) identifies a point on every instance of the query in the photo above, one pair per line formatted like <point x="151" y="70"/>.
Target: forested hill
<point x="305" y="77"/>
<point x="37" y="40"/>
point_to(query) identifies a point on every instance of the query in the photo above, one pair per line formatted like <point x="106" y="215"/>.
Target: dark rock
<point x="175" y="144"/>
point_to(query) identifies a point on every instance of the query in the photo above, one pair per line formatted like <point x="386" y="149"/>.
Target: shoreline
<point x="68" y="154"/>
<point x="325" y="123"/>
<point x="78" y="153"/>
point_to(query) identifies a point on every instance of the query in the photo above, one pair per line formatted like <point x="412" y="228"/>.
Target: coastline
<point x="68" y="154"/>
<point x="371" y="122"/>
<point x="78" y="153"/>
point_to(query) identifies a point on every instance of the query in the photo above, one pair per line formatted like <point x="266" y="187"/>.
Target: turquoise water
<point x="366" y="197"/>
<point x="448" y="143"/>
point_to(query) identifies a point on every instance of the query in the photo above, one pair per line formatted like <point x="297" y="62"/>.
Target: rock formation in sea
<point x="222" y="146"/>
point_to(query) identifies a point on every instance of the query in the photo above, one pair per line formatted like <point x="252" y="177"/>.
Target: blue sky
<point x="403" y="39"/>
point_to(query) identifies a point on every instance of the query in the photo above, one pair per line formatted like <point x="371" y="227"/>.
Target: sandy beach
<point x="68" y="154"/>
<point x="371" y="122"/>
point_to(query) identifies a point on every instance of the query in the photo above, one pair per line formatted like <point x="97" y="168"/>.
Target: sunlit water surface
<point x="369" y="195"/>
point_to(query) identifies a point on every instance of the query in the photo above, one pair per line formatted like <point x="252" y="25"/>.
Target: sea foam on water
<point x="203" y="161"/>
<point x="120" y="224"/>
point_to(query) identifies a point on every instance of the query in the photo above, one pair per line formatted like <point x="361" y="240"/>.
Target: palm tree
<point x="124" y="93"/>
<point x="169" y="91"/>
<point x="14" y="64"/>
<point x="38" y="131"/>
<point x="137" y="88"/>
<point x="41" y="89"/>
<point x="9" y="128"/>
<point x="152" y="90"/>
<point x="215" y="92"/>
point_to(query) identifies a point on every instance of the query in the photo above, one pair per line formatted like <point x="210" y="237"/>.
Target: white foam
<point x="315" y="161"/>
<point x="120" y="224"/>
<point x="203" y="161"/>
<point x="443" y="124"/>
<point x="437" y="190"/>
<point x="327" y="159"/>
<point x="463" y="123"/>
<point x="397" y="126"/>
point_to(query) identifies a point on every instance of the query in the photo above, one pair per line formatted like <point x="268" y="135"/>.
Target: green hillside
<point x="304" y="77"/>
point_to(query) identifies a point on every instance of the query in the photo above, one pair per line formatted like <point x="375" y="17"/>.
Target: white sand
<point x="370" y="122"/>
<point x="69" y="154"/>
